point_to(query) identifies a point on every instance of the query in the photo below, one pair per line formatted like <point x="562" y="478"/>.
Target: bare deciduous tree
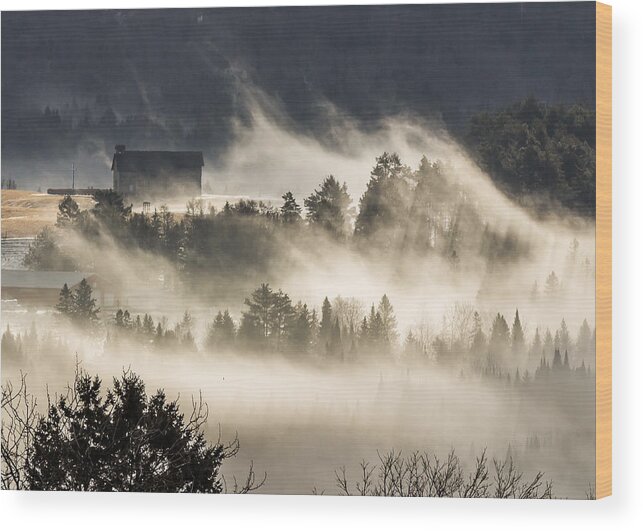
<point x="19" y="419"/>
<point x="420" y="474"/>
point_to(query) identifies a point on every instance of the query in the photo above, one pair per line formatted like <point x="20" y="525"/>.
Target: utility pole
<point x="73" y="176"/>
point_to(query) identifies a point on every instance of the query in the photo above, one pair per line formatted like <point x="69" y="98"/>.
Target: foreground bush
<point x="122" y="441"/>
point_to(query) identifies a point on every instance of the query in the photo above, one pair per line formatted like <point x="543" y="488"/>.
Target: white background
<point x="624" y="510"/>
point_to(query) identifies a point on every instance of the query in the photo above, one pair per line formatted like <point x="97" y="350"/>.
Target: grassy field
<point x="25" y="213"/>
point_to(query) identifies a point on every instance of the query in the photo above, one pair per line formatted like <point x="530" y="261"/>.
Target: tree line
<point x="343" y="330"/>
<point x="272" y="322"/>
<point x="402" y="211"/>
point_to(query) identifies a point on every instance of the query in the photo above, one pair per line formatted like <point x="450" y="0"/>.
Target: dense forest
<point x="544" y="156"/>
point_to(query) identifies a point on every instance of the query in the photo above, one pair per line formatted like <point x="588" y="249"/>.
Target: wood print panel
<point x="292" y="250"/>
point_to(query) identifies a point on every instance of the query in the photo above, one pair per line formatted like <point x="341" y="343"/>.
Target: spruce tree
<point x="535" y="350"/>
<point x="564" y="337"/>
<point x="85" y="310"/>
<point x="389" y="322"/>
<point x="326" y="324"/>
<point x="517" y="336"/>
<point x="261" y="305"/>
<point x="301" y="335"/>
<point x="552" y="286"/>
<point x="66" y="301"/>
<point x="479" y="340"/>
<point x="383" y="209"/>
<point x="328" y="207"/>
<point x="500" y="339"/>
<point x="290" y="210"/>
<point x="583" y="343"/>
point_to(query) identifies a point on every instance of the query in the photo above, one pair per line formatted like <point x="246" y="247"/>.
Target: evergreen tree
<point x="122" y="441"/>
<point x="10" y="346"/>
<point x="583" y="343"/>
<point x="326" y="324"/>
<point x="148" y="326"/>
<point x="548" y="345"/>
<point x="261" y="305"/>
<point x="364" y="333"/>
<point x="389" y="322"/>
<point x="282" y="317"/>
<point x="383" y="209"/>
<point x="328" y="207"/>
<point x="376" y="332"/>
<point x="44" y="254"/>
<point x="222" y="331"/>
<point x="564" y="337"/>
<point x="517" y="336"/>
<point x="85" y="310"/>
<point x="500" y="339"/>
<point x="290" y="210"/>
<point x="334" y="345"/>
<point x="110" y="208"/>
<point x="552" y="285"/>
<point x="479" y="340"/>
<point x="301" y="335"/>
<point x="68" y="212"/>
<point x="536" y="349"/>
<point x="66" y="302"/>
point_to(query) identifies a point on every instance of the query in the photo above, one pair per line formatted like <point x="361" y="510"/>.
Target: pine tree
<point x="517" y="336"/>
<point x="548" y="344"/>
<point x="500" y="339"/>
<point x="383" y="209"/>
<point x="261" y="305"/>
<point x="328" y="207"/>
<point x="148" y="325"/>
<point x="552" y="286"/>
<point x="85" y="310"/>
<point x="68" y="212"/>
<point x="65" y="302"/>
<point x="334" y="345"/>
<point x="583" y="343"/>
<point x="326" y="324"/>
<point x="282" y="317"/>
<point x="564" y="337"/>
<point x="536" y="346"/>
<point x="9" y="346"/>
<point x="364" y="334"/>
<point x="389" y="322"/>
<point x="376" y="332"/>
<point x="290" y="210"/>
<point x="479" y="340"/>
<point x="301" y="335"/>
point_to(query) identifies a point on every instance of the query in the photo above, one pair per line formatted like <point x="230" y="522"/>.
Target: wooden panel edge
<point x="603" y="250"/>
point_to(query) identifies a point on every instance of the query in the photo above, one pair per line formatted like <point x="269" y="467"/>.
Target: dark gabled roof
<point x="155" y="161"/>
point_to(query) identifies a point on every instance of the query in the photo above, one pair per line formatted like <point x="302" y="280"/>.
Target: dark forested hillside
<point x="541" y="155"/>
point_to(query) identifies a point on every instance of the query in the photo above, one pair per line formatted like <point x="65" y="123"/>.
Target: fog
<point x="300" y="420"/>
